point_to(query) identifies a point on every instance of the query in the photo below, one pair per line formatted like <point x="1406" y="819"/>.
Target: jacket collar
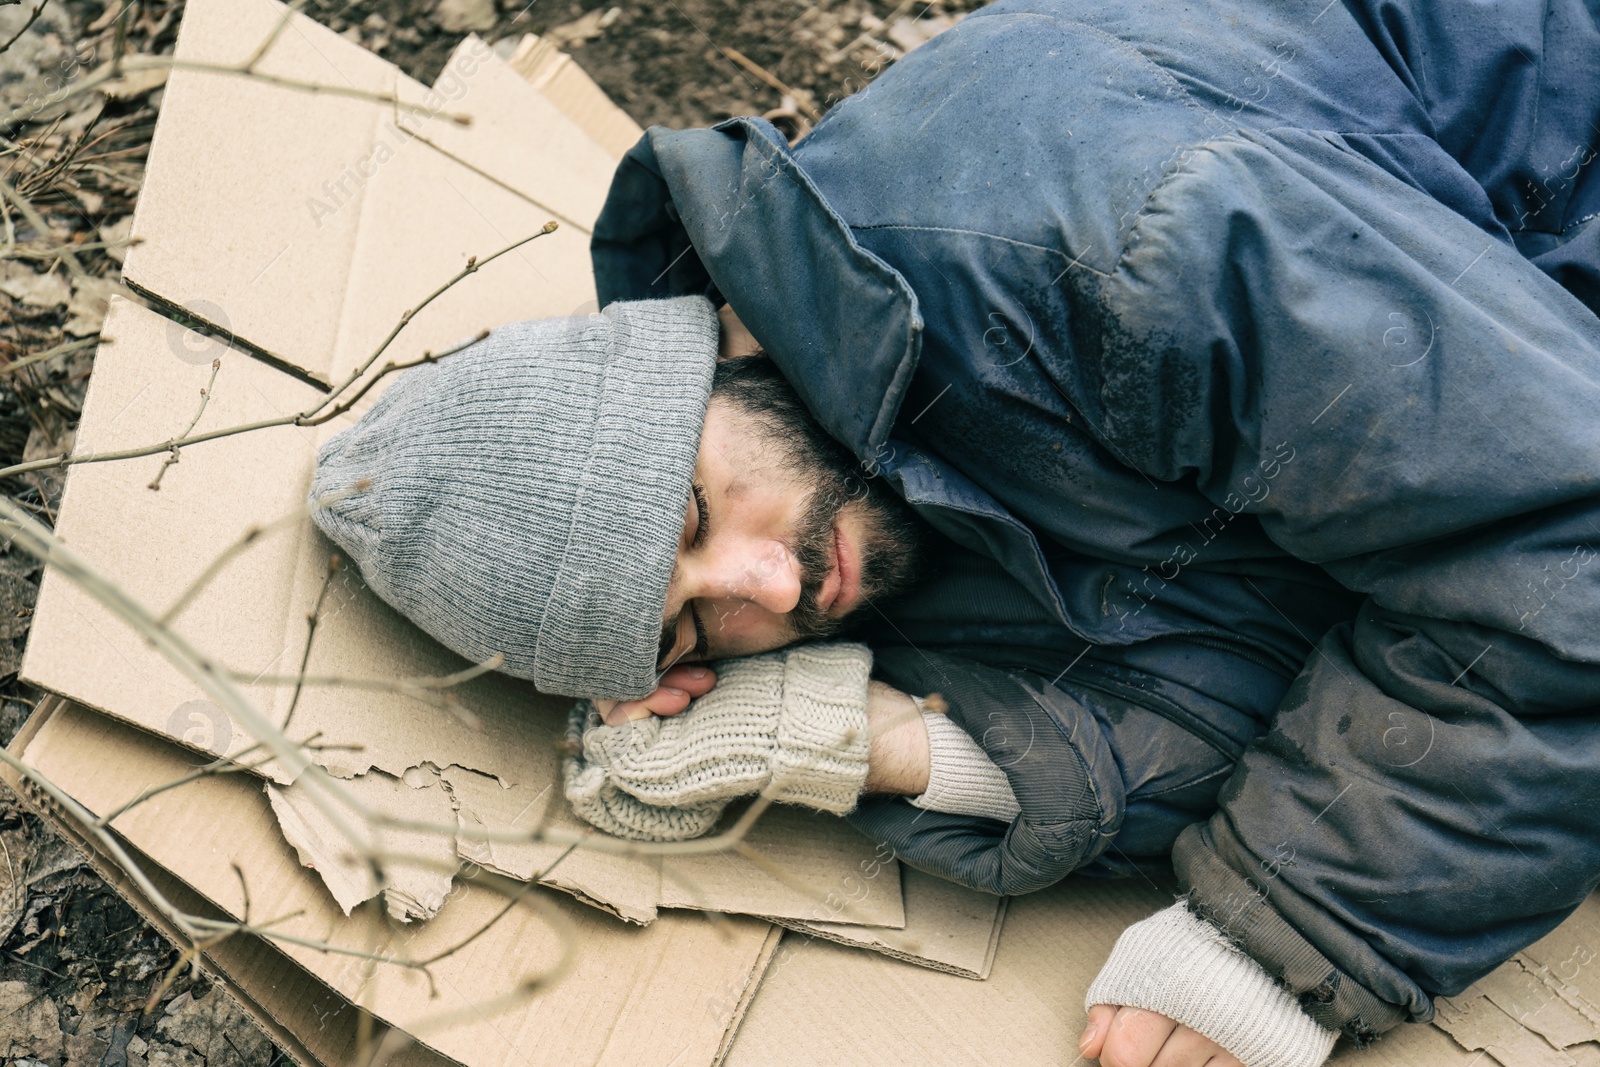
<point x="730" y="209"/>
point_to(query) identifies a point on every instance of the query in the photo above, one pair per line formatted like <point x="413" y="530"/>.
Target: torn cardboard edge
<point x="304" y="1018"/>
<point x="153" y="543"/>
<point x="817" y="1002"/>
<point x="1538" y="1009"/>
<point x="671" y="992"/>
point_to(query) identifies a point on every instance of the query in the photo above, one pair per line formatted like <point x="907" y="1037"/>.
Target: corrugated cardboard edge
<point x="270" y="1000"/>
<point x="567" y="86"/>
<point x="757" y="973"/>
<point x="907" y="957"/>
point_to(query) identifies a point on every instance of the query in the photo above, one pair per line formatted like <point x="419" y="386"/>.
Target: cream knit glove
<point x="1177" y="964"/>
<point x="794" y="720"/>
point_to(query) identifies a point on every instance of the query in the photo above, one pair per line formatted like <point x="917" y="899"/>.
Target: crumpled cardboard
<point x="497" y="769"/>
<point x="1541" y="1008"/>
<point x="668" y="993"/>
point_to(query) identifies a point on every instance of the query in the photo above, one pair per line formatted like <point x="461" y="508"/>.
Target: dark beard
<point x="804" y="456"/>
<point x="890" y="546"/>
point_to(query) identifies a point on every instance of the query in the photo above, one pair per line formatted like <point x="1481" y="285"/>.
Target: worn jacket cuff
<point x="1181" y="966"/>
<point x="962" y="779"/>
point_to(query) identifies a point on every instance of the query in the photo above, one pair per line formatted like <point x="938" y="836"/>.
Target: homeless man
<point x="1235" y="373"/>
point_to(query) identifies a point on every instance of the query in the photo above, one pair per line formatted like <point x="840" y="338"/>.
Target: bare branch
<point x="205" y="397"/>
<point x="49" y="353"/>
<point x="418" y="684"/>
<point x="473" y="266"/>
<point x="311" y="633"/>
<point x="26" y="26"/>
<point x="266" y="44"/>
<point x="309" y="417"/>
<point x="36" y="220"/>
<point x="117" y="68"/>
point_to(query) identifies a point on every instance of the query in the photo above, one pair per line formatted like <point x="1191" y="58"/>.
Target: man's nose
<point x="766" y="574"/>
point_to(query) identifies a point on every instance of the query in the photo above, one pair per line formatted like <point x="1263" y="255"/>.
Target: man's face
<point x="780" y="541"/>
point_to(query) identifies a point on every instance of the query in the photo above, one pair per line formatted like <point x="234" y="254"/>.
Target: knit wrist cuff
<point x="823" y="742"/>
<point x="962" y="779"/>
<point x="1179" y="965"/>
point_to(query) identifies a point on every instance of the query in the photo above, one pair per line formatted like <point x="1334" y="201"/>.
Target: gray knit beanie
<point x="528" y="492"/>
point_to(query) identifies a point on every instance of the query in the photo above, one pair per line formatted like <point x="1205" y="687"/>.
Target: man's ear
<point x="736" y="342"/>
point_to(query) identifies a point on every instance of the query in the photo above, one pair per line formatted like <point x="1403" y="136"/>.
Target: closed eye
<point x="701" y="643"/>
<point x="702" y="516"/>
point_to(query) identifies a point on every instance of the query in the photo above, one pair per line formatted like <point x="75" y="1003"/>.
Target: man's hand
<point x="678" y="686"/>
<point x="1134" y="1037"/>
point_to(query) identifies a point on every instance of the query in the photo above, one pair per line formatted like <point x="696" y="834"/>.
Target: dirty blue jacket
<point x="1245" y="356"/>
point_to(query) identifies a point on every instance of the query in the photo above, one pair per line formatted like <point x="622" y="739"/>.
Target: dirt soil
<point x="78" y="968"/>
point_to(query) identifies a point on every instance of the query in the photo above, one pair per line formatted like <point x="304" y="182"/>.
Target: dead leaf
<point x="116" y="235"/>
<point x="216" y="1028"/>
<point x="87" y="308"/>
<point x="30" y="1024"/>
<point x="16" y="851"/>
<point x="21" y="282"/>
<point x="134" y="84"/>
<point x="909" y="33"/>
<point x="462" y="16"/>
<point x="17" y="596"/>
<point x="572" y="34"/>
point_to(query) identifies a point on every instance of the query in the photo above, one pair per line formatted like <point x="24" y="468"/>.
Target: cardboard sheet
<point x="499" y="772"/>
<point x="1541" y="1008"/>
<point x="239" y="211"/>
<point x="948" y="927"/>
<point x="564" y="84"/>
<point x="822" y="1004"/>
<point x="244" y="215"/>
<point x="665" y="994"/>
<point x="313" y="1025"/>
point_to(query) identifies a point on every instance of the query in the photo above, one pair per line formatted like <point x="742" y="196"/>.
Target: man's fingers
<point x="678" y="687"/>
<point x="1094" y="1033"/>
<point x="1133" y="1037"/>
<point x="1189" y="1048"/>
<point x="692" y="678"/>
<point x="664" y="701"/>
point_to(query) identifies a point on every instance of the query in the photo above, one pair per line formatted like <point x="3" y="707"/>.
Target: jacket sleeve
<point x="1403" y="399"/>
<point x="1059" y="764"/>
